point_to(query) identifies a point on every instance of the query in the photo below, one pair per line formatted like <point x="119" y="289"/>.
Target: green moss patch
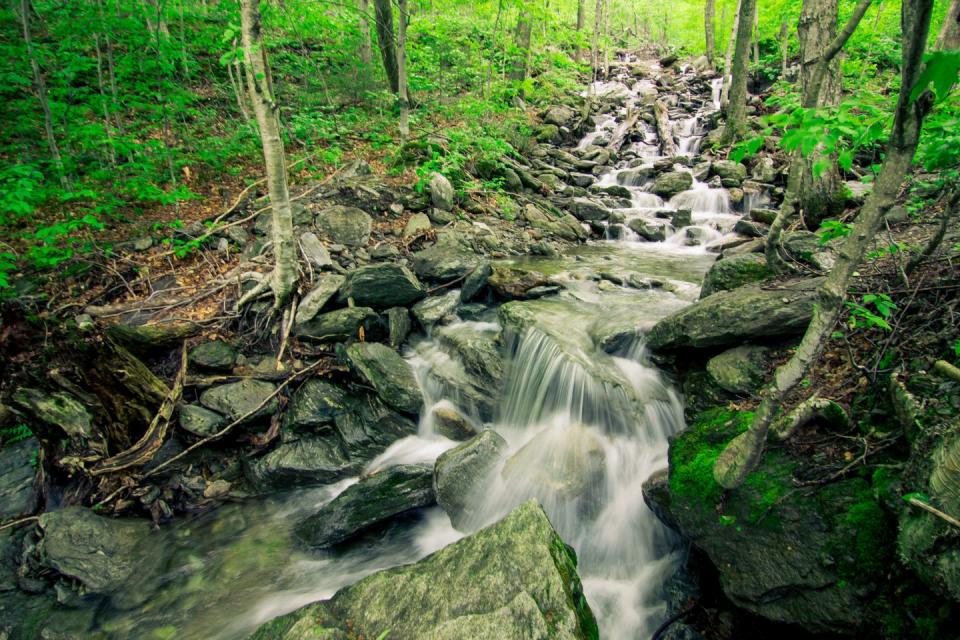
<point x="694" y="452"/>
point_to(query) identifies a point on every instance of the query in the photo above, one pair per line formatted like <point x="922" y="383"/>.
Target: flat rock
<point x="317" y="298"/>
<point x="314" y="251"/>
<point x="389" y="374"/>
<point x="382" y="286"/>
<point x="432" y="310"/>
<point x="338" y="326"/>
<point x="345" y="225"/>
<point x="240" y="398"/>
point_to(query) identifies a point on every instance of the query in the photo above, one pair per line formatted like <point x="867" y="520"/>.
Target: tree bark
<point x="595" y="44"/>
<point x="664" y="131"/>
<point x="402" y="72"/>
<point x="581" y="22"/>
<point x="265" y="108"/>
<point x="709" y="9"/>
<point x="366" y="53"/>
<point x="949" y="37"/>
<point x="388" y="46"/>
<point x="736" y="109"/>
<point x="784" y="48"/>
<point x="728" y="57"/>
<point x="521" y="41"/>
<point x="743" y="453"/>
<point x="756" y="33"/>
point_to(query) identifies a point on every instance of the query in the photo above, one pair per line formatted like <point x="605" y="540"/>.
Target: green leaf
<point x="941" y="71"/>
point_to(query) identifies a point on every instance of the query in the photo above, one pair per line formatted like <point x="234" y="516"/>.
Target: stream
<point x="566" y="404"/>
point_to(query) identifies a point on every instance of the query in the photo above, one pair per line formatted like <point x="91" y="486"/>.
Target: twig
<point x="931" y="509"/>
<point x="14" y="523"/>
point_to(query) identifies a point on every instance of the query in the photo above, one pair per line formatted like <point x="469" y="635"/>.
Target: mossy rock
<point x="734" y="272"/>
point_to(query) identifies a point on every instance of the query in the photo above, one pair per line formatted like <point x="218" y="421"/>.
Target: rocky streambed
<point x="494" y="401"/>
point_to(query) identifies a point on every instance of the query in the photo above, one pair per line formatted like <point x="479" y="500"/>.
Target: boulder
<point x="681" y="218"/>
<point x="635" y="177"/>
<point x="475" y="282"/>
<point x="650" y="230"/>
<point x="729" y="170"/>
<point x="57" y="409"/>
<point x="566" y="226"/>
<point x="764" y="170"/>
<point x="740" y="370"/>
<point x="588" y="210"/>
<point x="382" y="286"/>
<point x="314" y="251"/>
<point x="17" y="496"/>
<point x="200" y="421"/>
<point x="369" y="426"/>
<point x="729" y="318"/>
<point x="460" y="473"/>
<point x="559" y="115"/>
<point x="735" y="271"/>
<point x="513" y="579"/>
<point x="417" y="223"/>
<point x="345" y="225"/>
<point x="763" y="216"/>
<point x="805" y="247"/>
<point x="450" y="423"/>
<point x="432" y="310"/>
<point x="671" y="183"/>
<point x="389" y="374"/>
<point x="374" y="500"/>
<point x="479" y="351"/>
<point x="441" y="192"/>
<point x="237" y="399"/>
<point x="317" y="298"/>
<point x="300" y="462"/>
<point x="338" y="326"/>
<point x="314" y="406"/>
<point x="398" y="326"/>
<point x="515" y="284"/>
<point x="217" y="355"/>
<point x="448" y="259"/>
<point x="750" y="228"/>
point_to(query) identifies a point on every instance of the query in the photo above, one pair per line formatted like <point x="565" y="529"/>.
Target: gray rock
<point x="382" y="286"/>
<point x="732" y="317"/>
<point x="763" y="216"/>
<point x="218" y="355"/>
<point x="418" y="222"/>
<point x="740" y="370"/>
<point x="432" y="310"/>
<point x="764" y="170"/>
<point x="17" y="496"/>
<point x="566" y="227"/>
<point x="314" y="406"/>
<point x="388" y="373"/>
<point x="735" y="271"/>
<point x="581" y="179"/>
<point x="475" y="282"/>
<point x="440" y="217"/>
<point x="650" y="230"/>
<point x="441" y="192"/>
<point x="398" y="326"/>
<point x="450" y="423"/>
<point x="316" y="299"/>
<point x="588" y="210"/>
<point x="338" y="326"/>
<point x="58" y="409"/>
<point x="729" y="170"/>
<point x="304" y="461"/>
<point x="463" y="471"/>
<point x="448" y="259"/>
<point x="372" y="501"/>
<point x="681" y="218"/>
<point x="805" y="247"/>
<point x="240" y="398"/>
<point x="200" y="421"/>
<point x="515" y="284"/>
<point x="671" y="183"/>
<point x="314" y="251"/>
<point x="559" y="115"/>
<point x="514" y="579"/>
<point x="385" y="251"/>
<point x="751" y="229"/>
<point x="345" y="225"/>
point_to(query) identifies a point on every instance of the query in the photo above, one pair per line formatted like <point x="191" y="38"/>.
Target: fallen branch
<point x="667" y="145"/>
<point x="14" y="523"/>
<point x="620" y="134"/>
<point x="808" y="410"/>
<point x="931" y="509"/>
<point x="947" y="370"/>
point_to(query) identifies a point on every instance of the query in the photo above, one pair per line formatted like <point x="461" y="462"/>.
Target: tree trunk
<point x="664" y="131"/>
<point x="728" y="56"/>
<point x="595" y="44"/>
<point x="104" y="103"/>
<point x="784" y="48"/>
<point x="581" y="22"/>
<point x="743" y="453"/>
<point x="736" y="108"/>
<point x="366" y="53"/>
<point x="709" y="8"/>
<point x="388" y="47"/>
<point x="756" y="33"/>
<point x="402" y="72"/>
<point x="521" y="41"/>
<point x="949" y="37"/>
<point x="40" y="85"/>
<point x="606" y="39"/>
<point x="265" y="109"/>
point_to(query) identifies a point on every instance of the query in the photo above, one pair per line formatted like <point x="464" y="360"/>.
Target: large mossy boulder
<point x="740" y="370"/>
<point x="729" y="318"/>
<point x="735" y="271"/>
<point x="382" y="286"/>
<point x="811" y="558"/>
<point x="58" y="409"/>
<point x="671" y="183"/>
<point x="514" y="579"/>
<point x="345" y="225"/>
<point x="372" y="501"/>
<point x="461" y="472"/>
<point x="389" y="374"/>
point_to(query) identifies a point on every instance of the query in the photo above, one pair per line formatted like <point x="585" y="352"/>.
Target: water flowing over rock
<point x="462" y="471"/>
<point x="513" y="579"/>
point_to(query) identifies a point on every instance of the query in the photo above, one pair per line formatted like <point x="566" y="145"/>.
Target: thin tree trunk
<point x="728" y="57"/>
<point x="521" y="42"/>
<point x="949" y="37"/>
<point x="40" y="85"/>
<point x="743" y="453"/>
<point x="265" y="108"/>
<point x="402" y="72"/>
<point x="388" y="46"/>
<point x="756" y="33"/>
<point x="581" y="22"/>
<point x="366" y="53"/>
<point x="606" y="39"/>
<point x="736" y="108"/>
<point x="784" y="48"/>
<point x="236" y="81"/>
<point x="595" y="44"/>
<point x="107" y="126"/>
<point x="709" y="8"/>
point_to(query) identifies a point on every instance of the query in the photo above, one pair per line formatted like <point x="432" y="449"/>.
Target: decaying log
<point x="667" y="145"/>
<point x="622" y="130"/>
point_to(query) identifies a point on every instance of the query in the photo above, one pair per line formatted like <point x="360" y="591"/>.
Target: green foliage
<point x="833" y="229"/>
<point x="873" y="311"/>
<point x="14" y="434"/>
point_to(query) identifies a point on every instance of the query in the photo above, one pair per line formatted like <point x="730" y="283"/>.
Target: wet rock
<point x="750" y="228"/>
<point x="701" y="171"/>
<point x="475" y="282"/>
<point x="514" y="284"/>
<point x="58" y="409"/>
<point x="635" y="177"/>
<point x="17" y="496"/>
<point x="314" y="251"/>
<point x="450" y="423"/>
<point x="671" y="183"/>
<point x="650" y="230"/>
<point x="763" y="216"/>
<point x="345" y="225"/>
<point x="317" y="298"/>
<point x="441" y="192"/>
<point x="218" y="355"/>
<point x="732" y="317"/>
<point x="448" y="259"/>
<point x="388" y="373"/>
<point x="314" y="406"/>
<point x="369" y="426"/>
<point x="681" y="218"/>
<point x="338" y="326"/>
<point x="398" y="326"/>
<point x="463" y="471"/>
<point x="514" y="579"/>
<point x="372" y="501"/>
<point x="237" y="399"/>
<point x="764" y="170"/>
<point x="417" y="223"/>
<point x="558" y="115"/>
<point x="581" y="179"/>
<point x="566" y="226"/>
<point x="300" y="462"/>
<point x="479" y="351"/>
<point x="740" y="370"/>
<point x="200" y="421"/>
<point x="729" y="170"/>
<point x="430" y="311"/>
<point x="382" y="286"/>
<point x="588" y="210"/>
<point x="735" y="271"/>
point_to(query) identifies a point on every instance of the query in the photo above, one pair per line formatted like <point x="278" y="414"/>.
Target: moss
<point x="863" y="532"/>
<point x="767" y="487"/>
<point x="695" y="451"/>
